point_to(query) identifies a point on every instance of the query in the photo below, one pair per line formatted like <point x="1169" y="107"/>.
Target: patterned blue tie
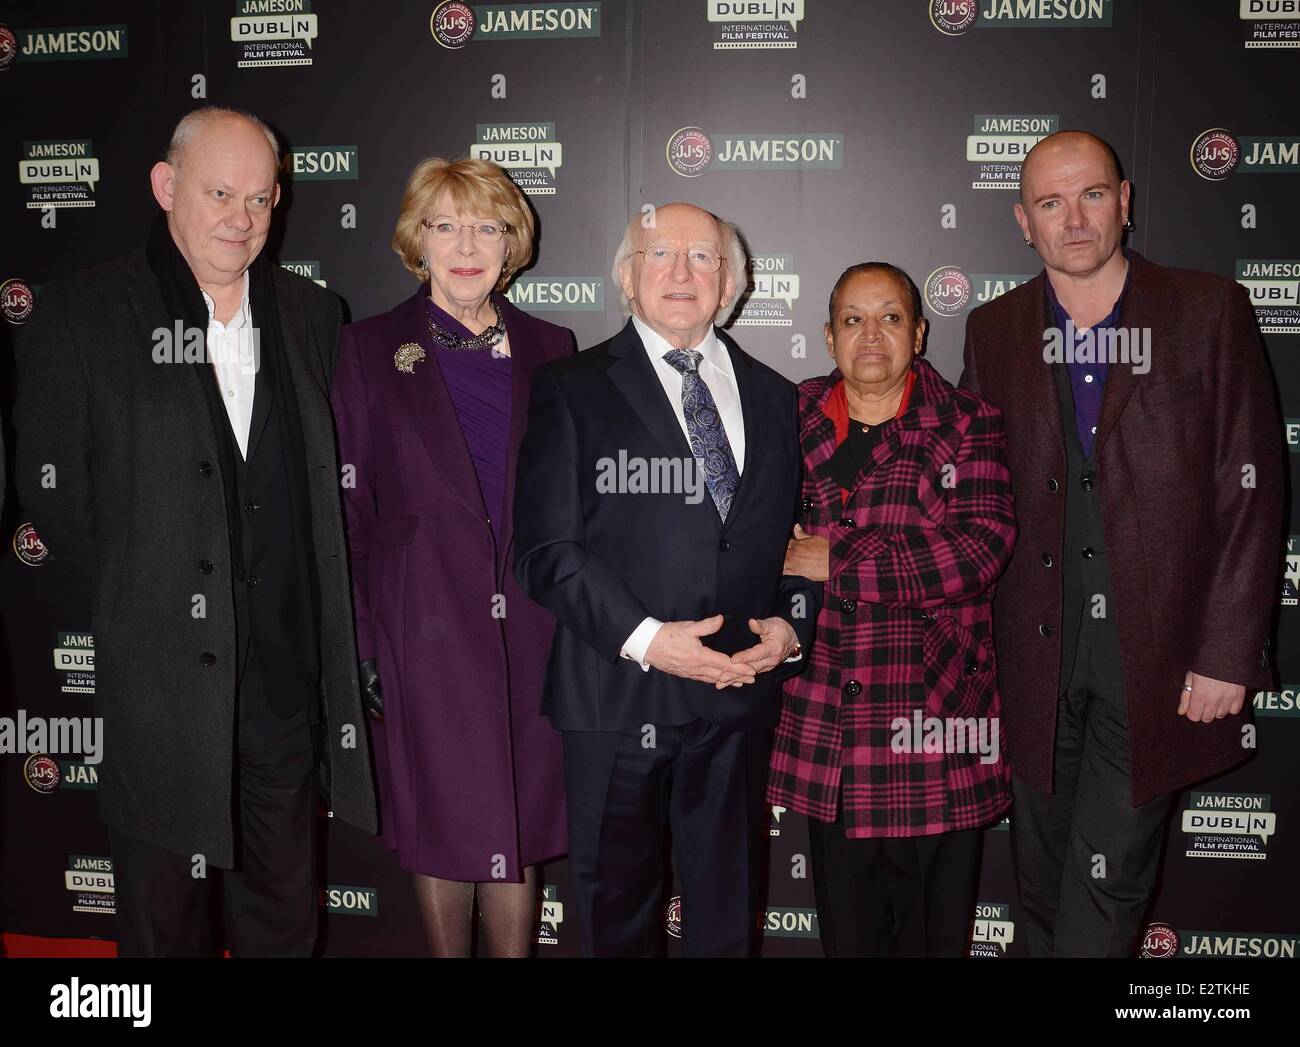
<point x="704" y="427"/>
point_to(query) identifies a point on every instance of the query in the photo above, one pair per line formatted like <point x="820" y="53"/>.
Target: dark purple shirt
<point x="478" y="382"/>
<point x="1087" y="380"/>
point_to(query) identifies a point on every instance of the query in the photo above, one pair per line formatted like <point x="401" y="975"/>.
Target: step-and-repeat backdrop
<point x="829" y="131"/>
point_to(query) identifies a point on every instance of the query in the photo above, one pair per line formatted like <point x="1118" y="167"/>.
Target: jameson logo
<point x="350" y="901"/>
<point x="1274" y="287"/>
<point x="530" y="153"/>
<point x="1228" y="825"/>
<point x="755" y="25"/>
<point x="789" y="923"/>
<point x="988" y="286"/>
<point x="311" y="270"/>
<point x="71" y="43"/>
<point x="992" y="930"/>
<point x="1285" y="702"/>
<point x="947" y="290"/>
<point x="321" y="163"/>
<point x="1291" y="566"/>
<point x="1201" y="944"/>
<point x="1217" y="153"/>
<point x="532" y="21"/>
<point x="59" y="173"/>
<point x="772" y="293"/>
<point x="78" y="775"/>
<point x="550" y="914"/>
<point x="1270" y="155"/>
<point x="273" y="32"/>
<point x="1053" y="14"/>
<point x="690" y="151"/>
<point x="1270" y="23"/>
<point x="90" y="878"/>
<point x="74" y="656"/>
<point x="999" y="144"/>
<point x="578" y="294"/>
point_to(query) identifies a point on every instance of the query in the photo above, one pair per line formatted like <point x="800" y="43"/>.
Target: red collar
<point x="837" y="406"/>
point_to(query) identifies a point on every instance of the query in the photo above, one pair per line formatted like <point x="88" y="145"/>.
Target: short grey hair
<point x="196" y="120"/>
<point x="734" y="256"/>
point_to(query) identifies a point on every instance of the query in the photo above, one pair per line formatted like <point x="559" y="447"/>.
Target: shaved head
<point x="1062" y="144"/>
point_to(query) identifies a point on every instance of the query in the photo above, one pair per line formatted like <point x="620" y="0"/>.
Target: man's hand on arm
<point x="1209" y="699"/>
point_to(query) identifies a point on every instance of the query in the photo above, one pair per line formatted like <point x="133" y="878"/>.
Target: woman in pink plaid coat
<point x="890" y="741"/>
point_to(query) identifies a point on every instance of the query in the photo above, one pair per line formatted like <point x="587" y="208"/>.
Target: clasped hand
<point x="677" y="649"/>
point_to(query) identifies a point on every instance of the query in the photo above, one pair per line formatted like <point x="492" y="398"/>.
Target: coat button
<point x="1088" y="552"/>
<point x="1052" y="485"/>
<point x="925" y="616"/>
<point x="205" y="567"/>
<point x="723" y="545"/>
<point x="1086" y="483"/>
<point x="208" y="658"/>
<point x="972" y="668"/>
<point x="1044" y="630"/>
<point x="806" y="505"/>
<point x="251" y="508"/>
<point x="205" y="468"/>
<point x="251" y="580"/>
<point x="1047" y="559"/>
<point x="853" y="688"/>
<point x="846" y="521"/>
<point x="848" y="606"/>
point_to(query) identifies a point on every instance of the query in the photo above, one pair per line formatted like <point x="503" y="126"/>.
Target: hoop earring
<point x="1128" y="224"/>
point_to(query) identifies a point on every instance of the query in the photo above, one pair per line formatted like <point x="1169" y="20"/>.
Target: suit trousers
<point x="1085" y="858"/>
<point x="706" y="784"/>
<point x="163" y="898"/>
<point x="894" y="896"/>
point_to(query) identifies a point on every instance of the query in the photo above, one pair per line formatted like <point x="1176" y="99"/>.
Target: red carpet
<point x="14" y="946"/>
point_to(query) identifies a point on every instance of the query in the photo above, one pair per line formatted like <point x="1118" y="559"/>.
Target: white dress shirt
<point x="232" y="350"/>
<point x="716" y="372"/>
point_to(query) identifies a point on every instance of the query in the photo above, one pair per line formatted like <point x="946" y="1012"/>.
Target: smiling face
<point x="872" y="333"/>
<point x="218" y="197"/>
<point x="1073" y="204"/>
<point x="678" y="302"/>
<point x="465" y="267"/>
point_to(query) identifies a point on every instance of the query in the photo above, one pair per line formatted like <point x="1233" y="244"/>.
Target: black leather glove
<point x="372" y="697"/>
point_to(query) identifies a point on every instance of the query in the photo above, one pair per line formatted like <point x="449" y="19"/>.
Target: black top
<point x="852" y="454"/>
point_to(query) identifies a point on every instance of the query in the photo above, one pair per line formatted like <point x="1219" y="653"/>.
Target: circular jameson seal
<point x="8" y="48"/>
<point x="947" y="290"/>
<point x="16" y="300"/>
<point x="28" y="546"/>
<point x="953" y="17"/>
<point x="689" y="151"/>
<point x="1159" y="943"/>
<point x="674" y="916"/>
<point x="1215" y="153"/>
<point x="42" y="773"/>
<point x="452" y="24"/>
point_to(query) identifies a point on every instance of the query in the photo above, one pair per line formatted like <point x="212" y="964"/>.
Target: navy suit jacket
<point x="603" y="561"/>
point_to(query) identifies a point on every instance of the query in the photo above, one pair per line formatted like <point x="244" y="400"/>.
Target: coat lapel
<point x="1143" y="307"/>
<point x="634" y="376"/>
<point x="754" y="419"/>
<point x="527" y="353"/>
<point x="429" y="406"/>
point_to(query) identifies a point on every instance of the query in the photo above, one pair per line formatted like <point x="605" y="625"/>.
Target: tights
<point x="508" y="912"/>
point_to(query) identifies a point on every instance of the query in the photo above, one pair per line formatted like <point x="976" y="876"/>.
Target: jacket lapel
<point x="429" y="406"/>
<point x="634" y="376"/>
<point x="754" y="420"/>
<point x="1143" y="307"/>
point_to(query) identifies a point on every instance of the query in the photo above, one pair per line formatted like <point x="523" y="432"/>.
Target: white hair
<point x="734" y="257"/>
<point x="193" y="122"/>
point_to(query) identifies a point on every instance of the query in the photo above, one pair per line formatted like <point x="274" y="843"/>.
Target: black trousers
<point x="706" y="784"/>
<point x="894" y="896"/>
<point x="270" y="896"/>
<point x="1086" y="859"/>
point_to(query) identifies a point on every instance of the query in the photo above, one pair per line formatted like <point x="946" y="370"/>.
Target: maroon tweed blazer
<point x="905" y="630"/>
<point x="1195" y="553"/>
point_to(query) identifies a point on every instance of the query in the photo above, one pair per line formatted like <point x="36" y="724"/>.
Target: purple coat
<point x="470" y="774"/>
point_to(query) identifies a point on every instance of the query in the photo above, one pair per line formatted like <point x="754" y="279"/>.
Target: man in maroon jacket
<point x="1143" y="440"/>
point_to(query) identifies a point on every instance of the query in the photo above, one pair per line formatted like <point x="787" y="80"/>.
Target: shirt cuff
<point x="639" y="642"/>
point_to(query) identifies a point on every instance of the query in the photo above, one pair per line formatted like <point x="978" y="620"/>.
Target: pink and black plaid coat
<point x="906" y="622"/>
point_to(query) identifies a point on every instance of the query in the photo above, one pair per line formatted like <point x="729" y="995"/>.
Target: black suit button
<point x="1088" y="552"/>
<point x="847" y="521"/>
<point x="205" y="468"/>
<point x="1086" y="483"/>
<point x="972" y="668"/>
<point x="1052" y="485"/>
<point x="1044" y="630"/>
<point x="806" y="505"/>
<point x="1047" y="559"/>
<point x="853" y="688"/>
<point x="208" y="658"/>
<point x="723" y="545"/>
<point x="205" y="567"/>
<point x="848" y="606"/>
<point x="251" y="580"/>
<point x="251" y="508"/>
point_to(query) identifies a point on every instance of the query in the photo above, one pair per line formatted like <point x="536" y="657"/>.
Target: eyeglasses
<point x="701" y="259"/>
<point x="488" y="232"/>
